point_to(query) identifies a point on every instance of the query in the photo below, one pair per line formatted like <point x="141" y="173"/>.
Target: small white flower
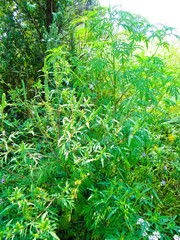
<point x="157" y="234"/>
<point x="91" y="86"/>
<point x="50" y="129"/>
<point x="152" y="237"/>
<point x="176" y="237"/>
<point x="140" y="221"/>
<point x="147" y="226"/>
<point x="179" y="230"/>
<point x="145" y="234"/>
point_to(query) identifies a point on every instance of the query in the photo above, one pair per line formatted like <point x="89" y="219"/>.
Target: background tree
<point x="28" y="29"/>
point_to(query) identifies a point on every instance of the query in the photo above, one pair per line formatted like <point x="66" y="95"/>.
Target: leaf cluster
<point x="95" y="154"/>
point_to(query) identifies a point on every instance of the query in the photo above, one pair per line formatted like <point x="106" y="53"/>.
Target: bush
<point x="79" y="161"/>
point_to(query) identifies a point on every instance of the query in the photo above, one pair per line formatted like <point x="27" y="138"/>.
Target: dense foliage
<point x="95" y="154"/>
<point x="28" y="29"/>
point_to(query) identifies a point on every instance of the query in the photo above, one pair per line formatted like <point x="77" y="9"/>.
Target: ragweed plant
<point x="78" y="160"/>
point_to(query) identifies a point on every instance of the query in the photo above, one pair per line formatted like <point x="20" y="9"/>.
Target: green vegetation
<point x="94" y="154"/>
<point x="28" y="29"/>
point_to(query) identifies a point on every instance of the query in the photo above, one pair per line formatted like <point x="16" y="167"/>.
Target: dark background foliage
<point x="28" y="29"/>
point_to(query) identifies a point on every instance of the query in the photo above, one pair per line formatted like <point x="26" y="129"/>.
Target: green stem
<point x="115" y="83"/>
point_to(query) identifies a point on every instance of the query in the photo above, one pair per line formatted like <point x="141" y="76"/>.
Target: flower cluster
<point x="176" y="237"/>
<point x="156" y="235"/>
<point x="143" y="224"/>
<point x="171" y="137"/>
<point x="140" y="221"/>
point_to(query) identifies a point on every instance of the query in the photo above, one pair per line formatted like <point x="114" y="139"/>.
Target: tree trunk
<point x="49" y="13"/>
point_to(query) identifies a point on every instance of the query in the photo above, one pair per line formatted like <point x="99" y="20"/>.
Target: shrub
<point x="78" y="161"/>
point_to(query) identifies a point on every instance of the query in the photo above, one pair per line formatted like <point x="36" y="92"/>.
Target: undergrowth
<point x="95" y="154"/>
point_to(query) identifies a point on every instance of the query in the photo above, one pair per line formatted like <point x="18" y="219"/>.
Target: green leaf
<point x="8" y="123"/>
<point x="157" y="197"/>
<point x="44" y="216"/>
<point x="24" y="91"/>
<point x="54" y="235"/>
<point x="112" y="213"/>
<point x="3" y="100"/>
<point x="130" y="139"/>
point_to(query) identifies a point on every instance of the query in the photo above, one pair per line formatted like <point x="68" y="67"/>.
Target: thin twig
<point x="13" y="172"/>
<point x="44" y="209"/>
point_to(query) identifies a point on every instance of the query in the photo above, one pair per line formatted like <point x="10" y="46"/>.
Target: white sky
<point x="156" y="11"/>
